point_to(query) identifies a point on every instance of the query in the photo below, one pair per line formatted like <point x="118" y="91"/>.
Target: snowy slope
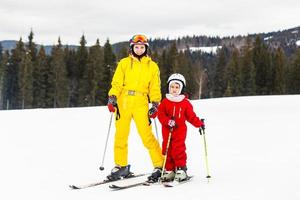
<point x="253" y="152"/>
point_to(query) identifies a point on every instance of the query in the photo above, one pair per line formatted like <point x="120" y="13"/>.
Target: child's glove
<point x="153" y="110"/>
<point x="202" y="127"/>
<point x="112" y="103"/>
<point x="171" y="123"/>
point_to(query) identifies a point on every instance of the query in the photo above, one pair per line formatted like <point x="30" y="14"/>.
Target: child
<point x="173" y="111"/>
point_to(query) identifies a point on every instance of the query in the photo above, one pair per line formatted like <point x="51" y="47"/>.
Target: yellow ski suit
<point x="133" y="82"/>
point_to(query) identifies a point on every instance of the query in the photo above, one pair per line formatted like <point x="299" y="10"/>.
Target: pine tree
<point x="93" y="74"/>
<point x="31" y="47"/>
<point x="25" y="81"/>
<point x="261" y="62"/>
<point x="247" y="70"/>
<point x="184" y="67"/>
<point x="12" y="90"/>
<point x="73" y="76"/>
<point x="219" y="78"/>
<point x="279" y="68"/>
<point x="108" y="67"/>
<point x="60" y="82"/>
<point x="5" y="82"/>
<point x="164" y="71"/>
<point x="96" y="58"/>
<point x="171" y="59"/>
<point x="82" y="59"/>
<point x="41" y="73"/>
<point x="233" y="75"/>
<point x="294" y="76"/>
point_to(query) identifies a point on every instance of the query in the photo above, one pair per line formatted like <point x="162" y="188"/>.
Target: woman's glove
<point x="153" y="110"/>
<point x="112" y="103"/>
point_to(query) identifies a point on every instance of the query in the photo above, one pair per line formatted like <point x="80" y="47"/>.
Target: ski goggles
<point x="139" y="39"/>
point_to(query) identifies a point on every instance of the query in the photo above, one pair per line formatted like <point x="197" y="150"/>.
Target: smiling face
<point x="139" y="49"/>
<point x="174" y="89"/>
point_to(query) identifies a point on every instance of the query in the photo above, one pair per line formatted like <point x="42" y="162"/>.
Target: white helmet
<point x="177" y="78"/>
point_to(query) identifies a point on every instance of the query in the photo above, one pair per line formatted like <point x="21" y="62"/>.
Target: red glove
<point x="112" y="103"/>
<point x="153" y="110"/>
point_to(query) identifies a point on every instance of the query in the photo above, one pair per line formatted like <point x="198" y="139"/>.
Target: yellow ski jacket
<point x="138" y="76"/>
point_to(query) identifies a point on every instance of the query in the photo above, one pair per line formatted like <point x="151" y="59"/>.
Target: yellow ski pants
<point x="133" y="105"/>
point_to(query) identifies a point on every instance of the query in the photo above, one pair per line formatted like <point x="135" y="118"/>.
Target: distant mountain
<point x="288" y="39"/>
<point x="11" y="44"/>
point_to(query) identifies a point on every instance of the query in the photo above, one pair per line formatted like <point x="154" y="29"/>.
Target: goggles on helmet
<point x="139" y="39"/>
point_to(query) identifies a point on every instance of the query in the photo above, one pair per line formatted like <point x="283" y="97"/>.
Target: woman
<point x="135" y="82"/>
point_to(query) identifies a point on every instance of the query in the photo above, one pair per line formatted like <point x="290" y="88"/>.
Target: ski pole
<point x="167" y="148"/>
<point x="156" y="130"/>
<point x="202" y="132"/>
<point x="166" y="154"/>
<point x="102" y="167"/>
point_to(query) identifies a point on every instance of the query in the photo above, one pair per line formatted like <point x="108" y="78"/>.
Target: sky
<point x="118" y="20"/>
<point x="252" y="150"/>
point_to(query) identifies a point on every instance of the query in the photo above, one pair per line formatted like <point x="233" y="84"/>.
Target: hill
<point x="253" y="147"/>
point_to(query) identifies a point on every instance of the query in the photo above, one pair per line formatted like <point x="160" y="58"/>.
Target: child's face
<point x="139" y="49"/>
<point x="174" y="89"/>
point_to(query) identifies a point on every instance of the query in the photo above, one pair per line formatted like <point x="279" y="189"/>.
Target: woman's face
<point x="174" y="89"/>
<point x="139" y="49"/>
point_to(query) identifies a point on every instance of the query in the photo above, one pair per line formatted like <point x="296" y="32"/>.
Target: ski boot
<point x="156" y="174"/>
<point x="168" y="176"/>
<point x="120" y="172"/>
<point x="181" y="174"/>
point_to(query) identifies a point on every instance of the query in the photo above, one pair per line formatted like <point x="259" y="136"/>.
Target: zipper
<point x="179" y="113"/>
<point x="173" y="116"/>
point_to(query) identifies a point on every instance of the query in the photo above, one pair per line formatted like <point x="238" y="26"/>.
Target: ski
<point x="147" y="183"/>
<point x="76" y="187"/>
<point x="118" y="187"/>
<point x="176" y="183"/>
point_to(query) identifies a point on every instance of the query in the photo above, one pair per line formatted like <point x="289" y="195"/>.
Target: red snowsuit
<point x="183" y="111"/>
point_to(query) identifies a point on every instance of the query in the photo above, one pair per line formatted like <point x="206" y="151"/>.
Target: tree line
<point x="68" y="77"/>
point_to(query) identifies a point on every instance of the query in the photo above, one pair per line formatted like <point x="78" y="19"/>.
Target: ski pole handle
<point x="201" y="129"/>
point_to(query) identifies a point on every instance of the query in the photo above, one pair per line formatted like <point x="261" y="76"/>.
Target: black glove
<point x="153" y="110"/>
<point x="202" y="127"/>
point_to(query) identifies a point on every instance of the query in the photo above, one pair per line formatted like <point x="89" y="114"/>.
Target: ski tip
<point x="73" y="187"/>
<point x="167" y="185"/>
<point x="115" y="187"/>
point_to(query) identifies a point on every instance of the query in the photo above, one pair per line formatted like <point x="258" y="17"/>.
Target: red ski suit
<point x="179" y="111"/>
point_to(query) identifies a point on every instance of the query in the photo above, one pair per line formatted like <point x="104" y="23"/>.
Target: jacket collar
<point x="144" y="58"/>
<point x="172" y="98"/>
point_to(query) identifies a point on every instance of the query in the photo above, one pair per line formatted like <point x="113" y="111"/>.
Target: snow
<point x="209" y="49"/>
<point x="295" y="31"/>
<point x="253" y="152"/>
<point x="268" y="38"/>
<point x="298" y="43"/>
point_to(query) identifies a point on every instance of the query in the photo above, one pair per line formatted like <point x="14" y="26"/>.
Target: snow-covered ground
<point x="210" y="49"/>
<point x="253" y="152"/>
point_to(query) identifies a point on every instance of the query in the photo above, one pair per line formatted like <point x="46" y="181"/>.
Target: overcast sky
<point x="118" y="20"/>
